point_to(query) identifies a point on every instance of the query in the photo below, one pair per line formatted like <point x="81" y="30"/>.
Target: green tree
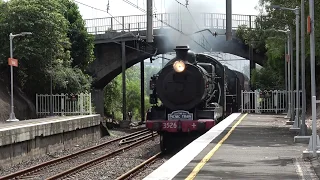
<point x="113" y="93"/>
<point x="273" y="44"/>
<point x="113" y="98"/>
<point x="81" y="42"/>
<point x="270" y="43"/>
<point x="49" y="28"/>
<point x="47" y="51"/>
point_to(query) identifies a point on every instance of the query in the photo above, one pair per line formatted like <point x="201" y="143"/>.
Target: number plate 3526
<point x="169" y="125"/>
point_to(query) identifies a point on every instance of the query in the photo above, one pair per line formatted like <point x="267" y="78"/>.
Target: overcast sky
<point x="121" y="8"/>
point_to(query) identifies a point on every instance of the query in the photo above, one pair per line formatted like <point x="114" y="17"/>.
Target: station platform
<point x="13" y="132"/>
<point x="26" y="139"/>
<point x="243" y="146"/>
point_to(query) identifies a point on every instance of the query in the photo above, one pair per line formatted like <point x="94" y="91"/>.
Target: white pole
<point x="303" y="72"/>
<point x="229" y="20"/>
<point x="12" y="115"/>
<point x="291" y="78"/>
<point x="314" y="140"/>
<point x="289" y="115"/>
<point x="149" y="21"/>
<point x="314" y="126"/>
<point x="313" y="81"/>
<point x="297" y="122"/>
<point x="312" y="50"/>
<point x="285" y="74"/>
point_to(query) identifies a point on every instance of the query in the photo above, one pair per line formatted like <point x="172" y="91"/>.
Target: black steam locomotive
<point x="196" y="92"/>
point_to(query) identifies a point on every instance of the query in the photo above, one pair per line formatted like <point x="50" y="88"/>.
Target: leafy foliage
<point x="267" y="79"/>
<point x="82" y="42"/>
<point x="113" y="93"/>
<point x="272" y="43"/>
<point x="58" y="43"/>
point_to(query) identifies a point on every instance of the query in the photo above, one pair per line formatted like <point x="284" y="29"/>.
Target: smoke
<point x="190" y="21"/>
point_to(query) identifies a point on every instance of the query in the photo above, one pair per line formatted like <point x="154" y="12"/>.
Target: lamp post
<point x="51" y="96"/>
<point x="11" y="36"/>
<point x="314" y="138"/>
<point x="303" y="72"/>
<point x="297" y="13"/>
<point x="51" y="71"/>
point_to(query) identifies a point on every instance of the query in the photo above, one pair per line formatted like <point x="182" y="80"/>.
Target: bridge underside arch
<point x="108" y="63"/>
<point x="236" y="46"/>
<point x="108" y="55"/>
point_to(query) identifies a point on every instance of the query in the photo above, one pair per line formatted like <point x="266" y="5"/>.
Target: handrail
<point x="139" y="22"/>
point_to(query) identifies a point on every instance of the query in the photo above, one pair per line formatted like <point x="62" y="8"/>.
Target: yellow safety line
<point x="196" y="170"/>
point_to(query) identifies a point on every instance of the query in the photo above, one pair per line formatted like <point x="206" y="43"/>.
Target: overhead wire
<point x="181" y="3"/>
<point x="136" y="6"/>
<point x="154" y="7"/>
<point x="115" y="41"/>
<point x="130" y="47"/>
<point x="197" y="25"/>
<point x="193" y="20"/>
<point x="97" y="9"/>
<point x="181" y="32"/>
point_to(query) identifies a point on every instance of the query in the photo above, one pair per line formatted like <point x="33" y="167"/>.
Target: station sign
<point x="287" y="57"/>
<point x="13" y="62"/>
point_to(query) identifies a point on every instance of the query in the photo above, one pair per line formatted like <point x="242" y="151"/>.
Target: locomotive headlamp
<point x="179" y="66"/>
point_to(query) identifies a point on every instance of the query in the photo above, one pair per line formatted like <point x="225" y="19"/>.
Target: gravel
<point x="151" y="167"/>
<point x="76" y="161"/>
<point x="116" y="166"/>
<point x="158" y="162"/>
<point x="122" y="163"/>
<point x="25" y="164"/>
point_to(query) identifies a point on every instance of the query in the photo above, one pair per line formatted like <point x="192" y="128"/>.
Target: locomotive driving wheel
<point x="164" y="142"/>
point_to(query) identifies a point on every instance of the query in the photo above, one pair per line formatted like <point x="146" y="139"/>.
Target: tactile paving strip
<point x="304" y="169"/>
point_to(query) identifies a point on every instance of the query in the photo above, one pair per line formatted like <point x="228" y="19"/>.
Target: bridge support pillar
<point x="252" y="64"/>
<point x="253" y="99"/>
<point x="252" y="67"/>
<point x="124" y="89"/>
<point x="142" y="90"/>
<point x="98" y="101"/>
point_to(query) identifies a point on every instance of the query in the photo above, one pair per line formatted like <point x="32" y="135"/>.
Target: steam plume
<point x="191" y="21"/>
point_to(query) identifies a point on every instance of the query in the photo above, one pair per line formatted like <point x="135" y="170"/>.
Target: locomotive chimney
<point x="182" y="52"/>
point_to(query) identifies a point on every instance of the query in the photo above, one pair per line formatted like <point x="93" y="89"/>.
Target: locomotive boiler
<point x="190" y="94"/>
<point x="187" y="90"/>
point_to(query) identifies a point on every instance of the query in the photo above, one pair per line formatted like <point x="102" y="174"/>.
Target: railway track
<point x="140" y="167"/>
<point x="42" y="169"/>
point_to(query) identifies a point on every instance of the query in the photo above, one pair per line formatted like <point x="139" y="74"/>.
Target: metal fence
<point x="161" y="20"/>
<point x="63" y="104"/>
<point x="272" y="101"/>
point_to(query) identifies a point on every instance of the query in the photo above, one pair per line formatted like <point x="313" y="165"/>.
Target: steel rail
<point x="61" y="159"/>
<point x="139" y="167"/>
<point x="97" y="160"/>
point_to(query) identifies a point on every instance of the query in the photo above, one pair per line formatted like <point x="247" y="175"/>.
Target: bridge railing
<point x="161" y="20"/>
<point x="63" y="104"/>
<point x="218" y="21"/>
